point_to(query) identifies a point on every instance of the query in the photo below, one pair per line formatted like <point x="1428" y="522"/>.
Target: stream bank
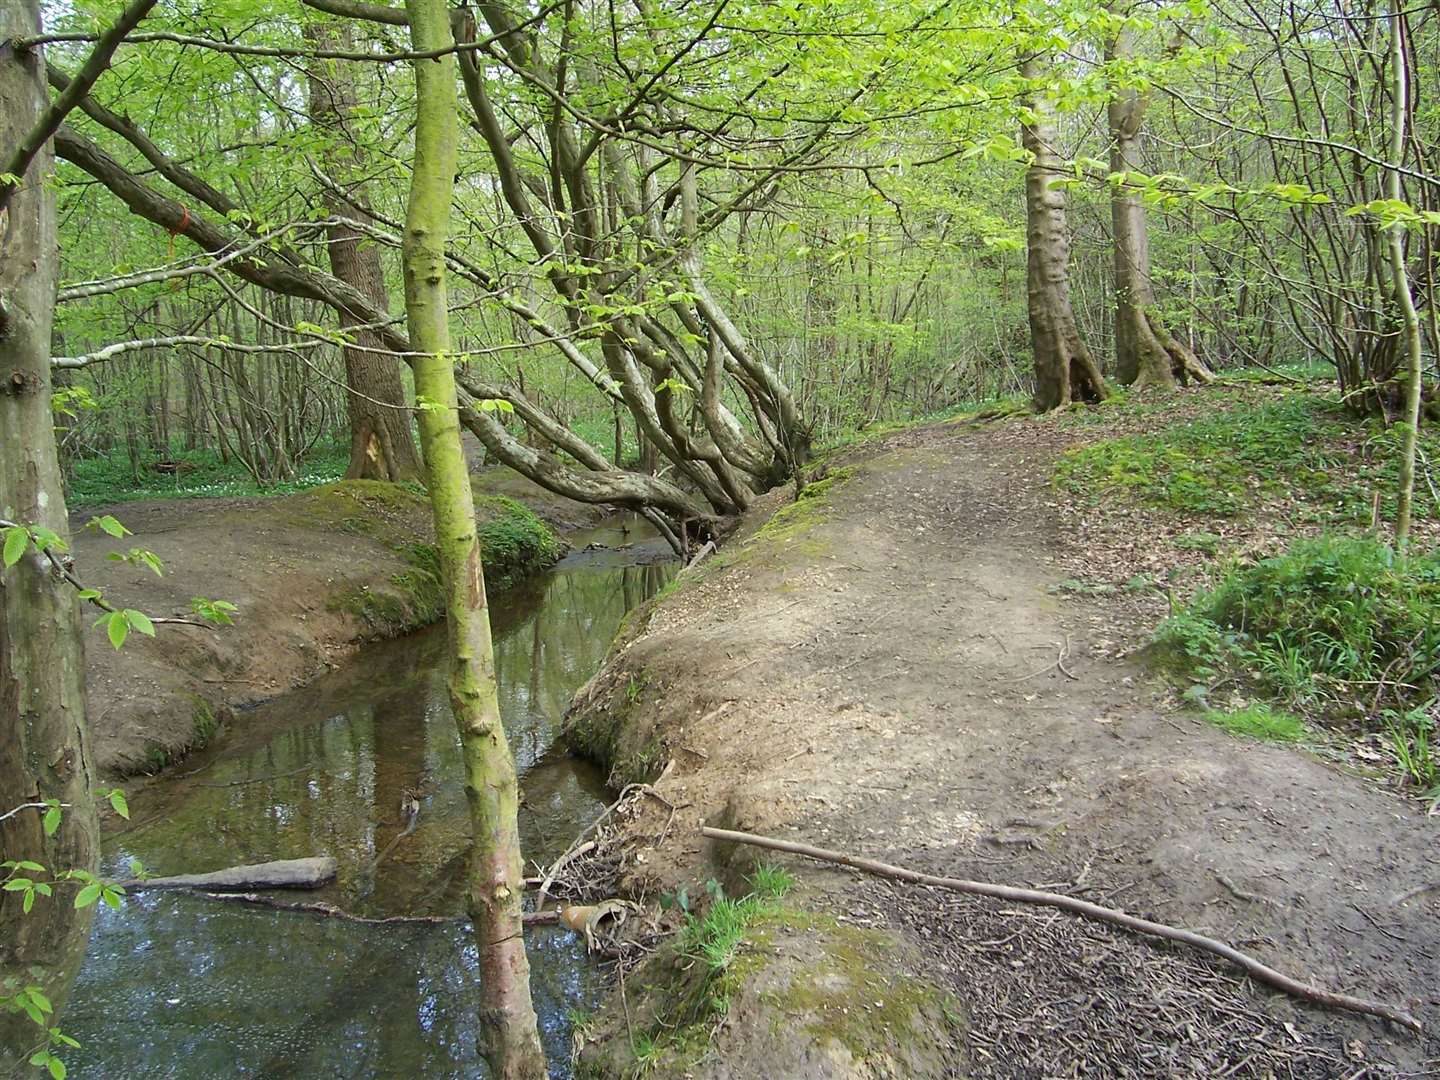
<point x="314" y="575"/>
<point x="210" y="989"/>
<point x="874" y="669"/>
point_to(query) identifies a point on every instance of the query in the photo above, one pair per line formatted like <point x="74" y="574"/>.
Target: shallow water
<point x="177" y="986"/>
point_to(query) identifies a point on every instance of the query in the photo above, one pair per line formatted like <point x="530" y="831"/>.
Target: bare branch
<point x="54" y="116"/>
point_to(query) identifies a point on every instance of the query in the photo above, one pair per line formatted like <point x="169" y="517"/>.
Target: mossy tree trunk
<point x="1146" y="353"/>
<point x="381" y="444"/>
<point x="509" y="1031"/>
<point x="44" y="747"/>
<point x="1065" y="370"/>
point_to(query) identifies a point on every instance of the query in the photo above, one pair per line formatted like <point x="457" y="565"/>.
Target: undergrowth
<point x="1341" y="628"/>
<point x="198" y="474"/>
<point x="1298" y="448"/>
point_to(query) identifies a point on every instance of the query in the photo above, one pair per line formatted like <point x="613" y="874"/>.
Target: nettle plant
<point x="37" y="883"/>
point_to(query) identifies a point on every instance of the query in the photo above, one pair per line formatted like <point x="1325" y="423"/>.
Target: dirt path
<point x="887" y="670"/>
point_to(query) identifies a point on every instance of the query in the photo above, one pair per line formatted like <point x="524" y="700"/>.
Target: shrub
<point x="1343" y="613"/>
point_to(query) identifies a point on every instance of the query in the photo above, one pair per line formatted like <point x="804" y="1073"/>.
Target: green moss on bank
<point x="514" y="544"/>
<point x="763" y="987"/>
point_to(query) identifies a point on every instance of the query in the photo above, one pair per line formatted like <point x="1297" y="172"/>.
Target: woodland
<point x="669" y="258"/>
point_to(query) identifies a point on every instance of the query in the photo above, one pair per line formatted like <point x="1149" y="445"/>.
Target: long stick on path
<point x="1260" y="972"/>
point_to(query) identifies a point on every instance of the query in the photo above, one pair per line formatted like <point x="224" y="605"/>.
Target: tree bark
<point x="509" y="1031"/>
<point x="381" y="446"/>
<point x="1065" y="371"/>
<point x="1404" y="298"/>
<point x="44" y="745"/>
<point x="1146" y="353"/>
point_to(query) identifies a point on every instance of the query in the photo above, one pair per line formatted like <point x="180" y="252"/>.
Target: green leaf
<point x="140" y="621"/>
<point x="52" y="820"/>
<point x="117" y="627"/>
<point x="111" y="897"/>
<point x="17" y="539"/>
<point x="16" y="884"/>
<point x="118" y="803"/>
<point x="109" y="524"/>
<point x="88" y="895"/>
<point x="56" y="1067"/>
<point x="28" y="902"/>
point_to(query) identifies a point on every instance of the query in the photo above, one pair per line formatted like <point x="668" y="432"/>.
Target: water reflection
<point x="175" y="986"/>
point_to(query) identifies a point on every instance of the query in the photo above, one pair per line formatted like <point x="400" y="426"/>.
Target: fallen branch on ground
<point x="1259" y="971"/>
<point x="330" y="911"/>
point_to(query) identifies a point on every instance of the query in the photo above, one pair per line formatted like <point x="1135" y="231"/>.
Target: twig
<point x="708" y="549"/>
<point x="330" y="911"/>
<point x="573" y="851"/>
<point x="251" y="780"/>
<point x="1240" y="894"/>
<point x="1410" y="894"/>
<point x="1259" y="971"/>
<point x="28" y="806"/>
<point x="67" y="574"/>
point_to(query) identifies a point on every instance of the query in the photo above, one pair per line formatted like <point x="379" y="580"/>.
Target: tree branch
<point x="1253" y="967"/>
<point x="54" y="116"/>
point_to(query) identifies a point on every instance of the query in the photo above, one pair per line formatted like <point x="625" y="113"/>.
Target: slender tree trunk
<point x="381" y="446"/>
<point x="1064" y="369"/>
<point x="44" y="746"/>
<point x="1146" y="353"/>
<point x="1410" y="424"/>
<point x="510" y="1035"/>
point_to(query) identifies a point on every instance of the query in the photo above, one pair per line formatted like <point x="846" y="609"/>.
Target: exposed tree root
<point x="1253" y="967"/>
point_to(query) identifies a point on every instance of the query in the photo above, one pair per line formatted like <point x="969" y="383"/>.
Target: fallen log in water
<point x="282" y="874"/>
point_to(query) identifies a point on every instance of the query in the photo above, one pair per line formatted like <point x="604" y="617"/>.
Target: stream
<point x="178" y="986"/>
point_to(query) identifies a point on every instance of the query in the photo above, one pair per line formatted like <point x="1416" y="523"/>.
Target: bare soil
<point x="889" y="670"/>
<point x="314" y="576"/>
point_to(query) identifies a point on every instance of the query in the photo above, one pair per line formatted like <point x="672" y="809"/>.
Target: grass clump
<point x="1259" y="721"/>
<point x="715" y="936"/>
<point x="1340" y="627"/>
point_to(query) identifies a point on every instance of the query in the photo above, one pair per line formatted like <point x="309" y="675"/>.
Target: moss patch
<point x="514" y="544"/>
<point x="771" y="990"/>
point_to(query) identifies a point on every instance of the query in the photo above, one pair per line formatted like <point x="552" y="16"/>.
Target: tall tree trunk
<point x="1146" y="353"/>
<point x="381" y="446"/>
<point x="509" y="1031"/>
<point x="1404" y="298"/>
<point x="44" y="747"/>
<point x="1065" y="371"/>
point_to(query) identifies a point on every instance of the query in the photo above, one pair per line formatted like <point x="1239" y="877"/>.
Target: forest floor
<point x="314" y="576"/>
<point x="935" y="661"/>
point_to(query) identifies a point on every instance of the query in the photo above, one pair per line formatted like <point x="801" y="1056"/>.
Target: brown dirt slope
<point x="313" y="575"/>
<point x="875" y="670"/>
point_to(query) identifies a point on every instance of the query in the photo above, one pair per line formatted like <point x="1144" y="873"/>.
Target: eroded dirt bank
<point x="313" y="576"/>
<point x="875" y="670"/>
